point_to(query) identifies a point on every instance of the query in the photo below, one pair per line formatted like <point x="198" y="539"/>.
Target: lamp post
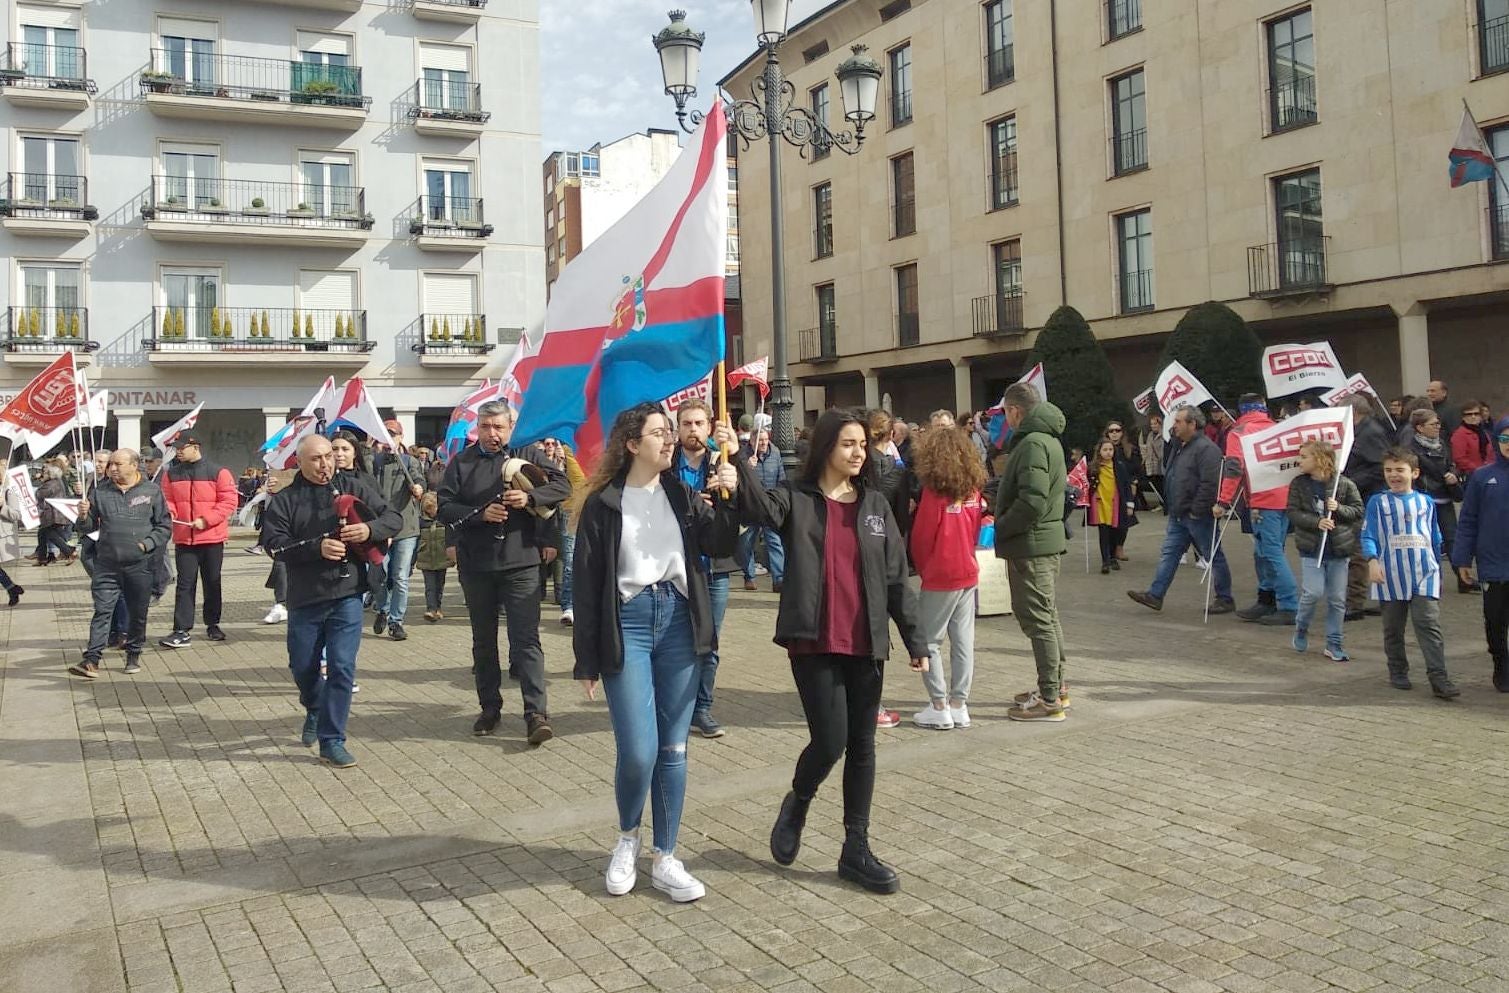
<point x="771" y="112"/>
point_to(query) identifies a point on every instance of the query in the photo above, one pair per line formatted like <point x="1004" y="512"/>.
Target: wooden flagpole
<point x="722" y="411"/>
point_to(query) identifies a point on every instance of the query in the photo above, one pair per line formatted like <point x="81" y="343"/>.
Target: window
<point x="329" y="186"/>
<point x="50" y="43"/>
<point x="1123" y="17"/>
<point x="1000" y="59"/>
<point x="901" y="85"/>
<point x="325" y="58"/>
<point x="1006" y="264"/>
<point x="591" y="164"/>
<point x="1493" y="35"/>
<point x="194" y="293"/>
<point x="50" y="169"/>
<point x="1128" y="123"/>
<point x="450" y="294"/>
<point x="894" y="9"/>
<point x="1498" y="147"/>
<point x="822" y="219"/>
<point x="447" y="82"/>
<point x="448" y="192"/>
<point x="908" y="325"/>
<point x="827" y="321"/>
<point x="188" y="50"/>
<point x="1291" y="71"/>
<point x="324" y="295"/>
<point x="191" y="175"/>
<point x="903" y="195"/>
<point x="1001" y="136"/>
<point x="1134" y="235"/>
<point x="52" y="298"/>
<point x="819" y="99"/>
<point x="550" y="218"/>
<point x="1301" y="232"/>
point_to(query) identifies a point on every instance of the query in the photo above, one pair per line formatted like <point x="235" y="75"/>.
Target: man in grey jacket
<point x="398" y="478"/>
<point x="1190" y="488"/>
<point x="132" y="519"/>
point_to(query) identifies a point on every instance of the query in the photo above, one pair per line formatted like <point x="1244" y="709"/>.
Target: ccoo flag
<point x="639" y="314"/>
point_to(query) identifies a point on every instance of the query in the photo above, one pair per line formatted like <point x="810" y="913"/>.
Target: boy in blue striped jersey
<point x="1402" y="542"/>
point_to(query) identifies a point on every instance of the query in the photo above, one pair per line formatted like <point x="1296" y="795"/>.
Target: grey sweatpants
<point x="1426" y="615"/>
<point x="950" y="612"/>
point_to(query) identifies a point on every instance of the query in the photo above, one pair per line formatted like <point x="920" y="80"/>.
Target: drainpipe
<point x="1058" y="157"/>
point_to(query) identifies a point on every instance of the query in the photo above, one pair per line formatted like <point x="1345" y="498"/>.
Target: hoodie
<point x="1030" y="498"/>
<point x="1483" y="526"/>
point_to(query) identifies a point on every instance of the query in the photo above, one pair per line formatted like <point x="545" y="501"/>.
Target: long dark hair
<point x="613" y="464"/>
<point x="825" y="439"/>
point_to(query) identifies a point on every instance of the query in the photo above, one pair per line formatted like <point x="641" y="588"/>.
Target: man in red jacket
<point x="1277" y="593"/>
<point x="201" y="497"/>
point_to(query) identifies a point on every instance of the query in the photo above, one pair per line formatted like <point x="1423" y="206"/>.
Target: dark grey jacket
<point x="1365" y="465"/>
<point x="1193" y="479"/>
<point x="132" y="523"/>
<point x="473" y="480"/>
<point x="296" y="518"/>
<point x="394" y="483"/>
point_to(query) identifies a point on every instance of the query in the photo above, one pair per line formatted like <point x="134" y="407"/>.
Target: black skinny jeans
<point x="840" y="695"/>
<point x="1496" y="620"/>
<point x="1110" y="540"/>
<point x="434" y="589"/>
<point x="195" y="561"/>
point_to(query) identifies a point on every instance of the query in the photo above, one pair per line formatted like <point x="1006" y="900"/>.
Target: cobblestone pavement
<point x="1218" y="813"/>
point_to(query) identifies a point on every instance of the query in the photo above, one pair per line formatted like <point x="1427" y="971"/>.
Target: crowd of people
<point x="878" y="526"/>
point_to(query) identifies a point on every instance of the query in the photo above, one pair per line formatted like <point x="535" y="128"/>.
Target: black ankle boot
<point x="859" y="865"/>
<point x="786" y="836"/>
<point x="1501" y="675"/>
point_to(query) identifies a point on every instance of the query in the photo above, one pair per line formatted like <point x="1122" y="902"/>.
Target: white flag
<point x="16" y="478"/>
<point x="164" y="439"/>
<point x="1357" y="384"/>
<point x="1293" y="368"/>
<point x="1037" y="381"/>
<point x="1272" y="454"/>
<point x="1177" y="387"/>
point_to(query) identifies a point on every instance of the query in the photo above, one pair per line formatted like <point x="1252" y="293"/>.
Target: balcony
<point x="1493" y="45"/>
<point x="37" y="335"/>
<point x="344" y="6"/>
<point x="999" y="314"/>
<point x="446" y="110"/>
<point x="251" y="212"/>
<point x="1002" y="182"/>
<point x="51" y="76"/>
<point x="1291" y="104"/>
<point x="1000" y="66"/>
<point x="1498" y="231"/>
<point x="1129" y="152"/>
<point x="450" y="11"/>
<point x="818" y="345"/>
<point x="1136" y="291"/>
<point x="449" y="224"/>
<point x="1288" y="268"/>
<point x="255" y="90"/>
<point x="219" y="336"/>
<point x="43" y="206"/>
<point x="453" y="340"/>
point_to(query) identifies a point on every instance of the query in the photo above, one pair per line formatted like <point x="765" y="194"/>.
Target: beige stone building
<point x="1290" y="161"/>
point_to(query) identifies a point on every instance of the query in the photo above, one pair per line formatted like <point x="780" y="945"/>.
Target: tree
<point x="1214" y="343"/>
<point x="1078" y="377"/>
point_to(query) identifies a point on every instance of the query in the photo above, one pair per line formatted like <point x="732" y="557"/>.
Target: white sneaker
<point x="671" y="878"/>
<point x="568" y="618"/>
<point x="960" y="714"/>
<point x="761" y="570"/>
<point x="934" y="719"/>
<point x="277" y="615"/>
<point x="622" y="872"/>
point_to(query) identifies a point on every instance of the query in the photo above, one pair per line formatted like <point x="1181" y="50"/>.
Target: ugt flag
<point x="1470" y="161"/>
<point x="48" y="402"/>
<point x="1272" y="454"/>
<point x="1177" y="387"/>
<point x="639" y="314"/>
<point x="1293" y="368"/>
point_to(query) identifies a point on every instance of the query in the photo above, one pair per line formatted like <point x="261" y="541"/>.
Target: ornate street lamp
<point x="772" y="110"/>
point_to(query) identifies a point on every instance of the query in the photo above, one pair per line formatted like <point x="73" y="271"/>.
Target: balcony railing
<point x="1136" y="290"/>
<point x="48" y="329"/>
<point x="251" y="201"/>
<point x="1297" y="266"/>
<point x="244" y="77"/>
<point x="1123" y="17"/>
<point x="999" y="313"/>
<point x="1493" y="41"/>
<point x="46" y="67"/>
<point x="1498" y="230"/>
<point x="439" y="100"/>
<point x="40" y="195"/>
<point x="1129" y="151"/>
<point x="908" y="330"/>
<point x="257" y="329"/>
<point x="818" y="344"/>
<point x="453" y="334"/>
<point x="1002" y="182"/>
<point x="448" y="217"/>
<point x="1291" y="104"/>
<point x="904" y="217"/>
<point x="1000" y="66"/>
<point x="476" y="4"/>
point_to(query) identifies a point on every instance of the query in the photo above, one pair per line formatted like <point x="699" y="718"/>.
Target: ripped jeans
<point x="650" y="703"/>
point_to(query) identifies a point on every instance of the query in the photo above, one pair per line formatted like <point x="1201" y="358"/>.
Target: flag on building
<point x="638" y="315"/>
<point x="1469" y="157"/>
<point x="165" y="438"/>
<point x="756" y="372"/>
<point x="49" y="401"/>
<point x="996" y="426"/>
<point x="354" y="408"/>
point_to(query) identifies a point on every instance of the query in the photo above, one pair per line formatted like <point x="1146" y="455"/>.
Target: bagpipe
<point x="349" y="509"/>
<point x="515" y="474"/>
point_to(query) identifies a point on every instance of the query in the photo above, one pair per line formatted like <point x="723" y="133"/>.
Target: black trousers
<point x="517" y="593"/>
<point x="110" y="584"/>
<point x="434" y="589"/>
<point x="277" y="581"/>
<point x="1496" y="620"/>
<point x="54" y="536"/>
<point x="162" y="572"/>
<point x="840" y="695"/>
<point x="194" y="562"/>
<point x="1110" y="539"/>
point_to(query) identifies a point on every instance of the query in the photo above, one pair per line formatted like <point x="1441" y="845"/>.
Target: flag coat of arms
<point x="639" y="314"/>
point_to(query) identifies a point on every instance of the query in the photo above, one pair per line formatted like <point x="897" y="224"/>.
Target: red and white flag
<point x="1177" y="387"/>
<point x="1143" y="402"/>
<point x="1272" y="454"/>
<point x="16" y="478"/>
<point x="1357" y="384"/>
<point x="756" y="372"/>
<point x="1294" y="368"/>
<point x="702" y="390"/>
<point x="48" y="402"/>
<point x="164" y="439"/>
<point x="356" y="408"/>
<point x="1079" y="478"/>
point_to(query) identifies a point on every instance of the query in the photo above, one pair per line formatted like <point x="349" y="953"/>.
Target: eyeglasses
<point x="659" y="434"/>
<point x="1504" y="439"/>
<point x="1471" y="413"/>
<point x="1113" y="430"/>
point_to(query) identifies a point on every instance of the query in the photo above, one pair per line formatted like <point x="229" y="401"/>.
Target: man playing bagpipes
<point x="324" y="529"/>
<point x="494" y="498"/>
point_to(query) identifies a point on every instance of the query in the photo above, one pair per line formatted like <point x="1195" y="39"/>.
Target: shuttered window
<point x="47" y="17"/>
<point x="450" y="293"/>
<point x="453" y="58"/>
<point x="328" y="44"/>
<point x="327" y="290"/>
<point x="178" y="27"/>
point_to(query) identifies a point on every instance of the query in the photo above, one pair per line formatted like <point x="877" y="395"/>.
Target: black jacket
<point x="295" y="519"/>
<point x="597" y="637"/>
<point x="1435" y="463"/>
<point x="1307" y="505"/>
<point x="473" y="480"/>
<point x="1193" y="478"/>
<point x="132" y="523"/>
<point x="1365" y="465"/>
<point x="719" y="565"/>
<point x="799" y="512"/>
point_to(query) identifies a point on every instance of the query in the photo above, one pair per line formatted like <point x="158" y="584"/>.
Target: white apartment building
<point x="227" y="200"/>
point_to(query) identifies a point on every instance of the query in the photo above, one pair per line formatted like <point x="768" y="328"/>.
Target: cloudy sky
<point x="600" y="78"/>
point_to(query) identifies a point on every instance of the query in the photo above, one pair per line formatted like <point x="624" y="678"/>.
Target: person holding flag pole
<point x="1323" y="503"/>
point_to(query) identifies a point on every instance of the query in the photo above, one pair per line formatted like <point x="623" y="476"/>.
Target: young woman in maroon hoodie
<point x="945" y="531"/>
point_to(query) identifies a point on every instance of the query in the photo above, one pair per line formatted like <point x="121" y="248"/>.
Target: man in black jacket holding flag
<point x="500" y="543"/>
<point x="305" y="527"/>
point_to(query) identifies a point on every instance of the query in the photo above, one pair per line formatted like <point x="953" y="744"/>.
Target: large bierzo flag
<point x="639" y="314"/>
<point x="1291" y="369"/>
<point x="1272" y="454"/>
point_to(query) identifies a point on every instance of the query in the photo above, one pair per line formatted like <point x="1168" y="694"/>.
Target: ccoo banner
<point x="1272" y="454"/>
<point x="1289" y="369"/>
<point x="1357" y="384"/>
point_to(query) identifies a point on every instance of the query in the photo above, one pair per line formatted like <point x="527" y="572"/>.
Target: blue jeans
<point x="1199" y="531"/>
<point x="650" y="703"/>
<point x="395" y="601"/>
<point x="1269" y="530"/>
<point x="774" y="551"/>
<point x="1327" y="581"/>
<point x="717" y="591"/>
<point x="568" y="551"/>
<point x="332" y="629"/>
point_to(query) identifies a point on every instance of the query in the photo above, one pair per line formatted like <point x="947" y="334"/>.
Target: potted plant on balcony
<point x="317" y="91"/>
<point x="158" y="81"/>
<point x="416" y="225"/>
<point x="11" y="74"/>
<point x="63" y="203"/>
<point x="257" y="208"/>
<point x="214" y="207"/>
<point x="302" y="210"/>
<point x="173" y="203"/>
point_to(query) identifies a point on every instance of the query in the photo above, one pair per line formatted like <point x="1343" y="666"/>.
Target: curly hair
<point x="613" y="464"/>
<point x="947" y="463"/>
